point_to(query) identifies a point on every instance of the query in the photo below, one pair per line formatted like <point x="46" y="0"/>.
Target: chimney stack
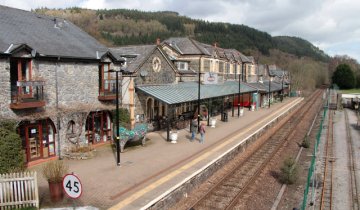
<point x="215" y="44"/>
<point x="158" y="41"/>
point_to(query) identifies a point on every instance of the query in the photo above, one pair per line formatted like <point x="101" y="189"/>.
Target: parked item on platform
<point x="54" y="172"/>
<point x="174" y="136"/>
<point x="212" y="122"/>
<point x="241" y="111"/>
<point x="137" y="134"/>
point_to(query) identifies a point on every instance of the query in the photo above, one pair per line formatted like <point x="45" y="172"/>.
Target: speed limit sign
<point x="72" y="185"/>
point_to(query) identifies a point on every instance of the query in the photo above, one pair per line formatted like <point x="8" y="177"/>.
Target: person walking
<point x="193" y="129"/>
<point x="202" y="132"/>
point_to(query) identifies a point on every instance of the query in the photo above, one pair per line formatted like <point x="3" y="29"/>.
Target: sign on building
<point x="210" y="78"/>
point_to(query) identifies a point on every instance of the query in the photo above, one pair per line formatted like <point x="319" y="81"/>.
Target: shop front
<point x="98" y="128"/>
<point x="38" y="139"/>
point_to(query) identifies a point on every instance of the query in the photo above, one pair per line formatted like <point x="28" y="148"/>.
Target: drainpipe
<point x="57" y="108"/>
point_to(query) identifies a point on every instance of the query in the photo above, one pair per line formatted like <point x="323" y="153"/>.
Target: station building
<point x="59" y="84"/>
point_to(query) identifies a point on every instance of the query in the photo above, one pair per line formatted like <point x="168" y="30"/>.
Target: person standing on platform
<point x="202" y="132"/>
<point x="193" y="129"/>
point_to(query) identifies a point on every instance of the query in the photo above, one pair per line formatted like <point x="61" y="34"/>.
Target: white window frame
<point x="185" y="65"/>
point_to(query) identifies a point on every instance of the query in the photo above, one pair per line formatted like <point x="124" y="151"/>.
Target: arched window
<point x="71" y="127"/>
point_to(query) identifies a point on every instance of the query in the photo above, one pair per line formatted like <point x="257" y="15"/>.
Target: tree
<point x="344" y="77"/>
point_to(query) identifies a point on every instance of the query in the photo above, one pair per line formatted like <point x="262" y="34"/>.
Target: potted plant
<point x="53" y="172"/>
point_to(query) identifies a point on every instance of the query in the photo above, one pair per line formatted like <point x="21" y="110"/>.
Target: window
<point x="71" y="127"/>
<point x="105" y="78"/>
<point x="20" y="71"/>
<point x="182" y="65"/>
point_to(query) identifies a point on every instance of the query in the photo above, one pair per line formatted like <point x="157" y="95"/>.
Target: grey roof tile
<point x="186" y="46"/>
<point x="49" y="36"/>
<point x="135" y="55"/>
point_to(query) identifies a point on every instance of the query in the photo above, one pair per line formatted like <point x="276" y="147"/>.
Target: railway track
<point x="353" y="181"/>
<point x="226" y="193"/>
<point x="327" y="190"/>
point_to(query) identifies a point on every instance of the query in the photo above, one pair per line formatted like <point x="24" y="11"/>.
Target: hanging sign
<point x="210" y="78"/>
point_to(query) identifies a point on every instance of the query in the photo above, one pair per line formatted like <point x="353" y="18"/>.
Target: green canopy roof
<point x="188" y="91"/>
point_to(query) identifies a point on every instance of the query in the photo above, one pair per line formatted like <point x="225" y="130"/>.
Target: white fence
<point x="18" y="190"/>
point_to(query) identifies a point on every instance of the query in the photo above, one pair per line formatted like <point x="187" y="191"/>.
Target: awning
<point x="188" y="91"/>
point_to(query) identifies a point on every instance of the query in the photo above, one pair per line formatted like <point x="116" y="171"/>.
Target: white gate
<point x="18" y="190"/>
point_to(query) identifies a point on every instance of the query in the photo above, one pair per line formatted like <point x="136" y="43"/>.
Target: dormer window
<point x="182" y="65"/>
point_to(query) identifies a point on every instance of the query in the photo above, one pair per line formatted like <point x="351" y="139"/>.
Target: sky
<point x="331" y="25"/>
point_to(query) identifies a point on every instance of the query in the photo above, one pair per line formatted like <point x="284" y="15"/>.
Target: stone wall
<point x="5" y="95"/>
<point x="166" y="75"/>
<point x="77" y="85"/>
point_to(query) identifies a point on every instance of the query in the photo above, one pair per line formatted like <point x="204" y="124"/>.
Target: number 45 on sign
<point x="72" y="186"/>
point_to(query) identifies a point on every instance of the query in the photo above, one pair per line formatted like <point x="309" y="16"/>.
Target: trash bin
<point x="225" y="116"/>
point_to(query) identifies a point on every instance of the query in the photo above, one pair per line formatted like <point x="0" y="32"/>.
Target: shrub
<point x="54" y="171"/>
<point x="306" y="142"/>
<point x="288" y="173"/>
<point x="12" y="154"/>
<point x="124" y="117"/>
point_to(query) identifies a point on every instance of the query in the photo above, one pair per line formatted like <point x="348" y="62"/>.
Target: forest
<point x="119" y="27"/>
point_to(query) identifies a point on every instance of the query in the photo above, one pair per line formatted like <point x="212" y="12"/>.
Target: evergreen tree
<point x="344" y="77"/>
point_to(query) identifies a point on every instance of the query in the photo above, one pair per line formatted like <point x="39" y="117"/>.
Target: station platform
<point x="150" y="173"/>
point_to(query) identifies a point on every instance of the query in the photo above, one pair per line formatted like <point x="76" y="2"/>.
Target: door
<point x="98" y="127"/>
<point x="33" y="141"/>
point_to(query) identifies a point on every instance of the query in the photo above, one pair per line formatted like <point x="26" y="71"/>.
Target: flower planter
<point x="213" y="122"/>
<point x="56" y="191"/>
<point x="173" y="137"/>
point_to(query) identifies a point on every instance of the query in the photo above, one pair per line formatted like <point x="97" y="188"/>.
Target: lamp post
<point x="269" y="89"/>
<point x="240" y="78"/>
<point x="198" y="102"/>
<point x="282" y="87"/>
<point x="117" y="116"/>
<point x="239" y="92"/>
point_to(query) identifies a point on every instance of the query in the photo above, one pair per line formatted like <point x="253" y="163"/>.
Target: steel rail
<point x="203" y="198"/>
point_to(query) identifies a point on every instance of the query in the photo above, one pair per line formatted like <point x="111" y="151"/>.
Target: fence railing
<point x="18" y="190"/>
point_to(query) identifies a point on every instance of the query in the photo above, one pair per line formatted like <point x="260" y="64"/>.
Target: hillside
<point x="126" y="27"/>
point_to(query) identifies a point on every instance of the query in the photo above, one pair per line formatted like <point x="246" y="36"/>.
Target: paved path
<point x="148" y="172"/>
<point x="341" y="185"/>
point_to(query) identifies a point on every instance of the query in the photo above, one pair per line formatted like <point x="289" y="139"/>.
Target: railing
<point x="29" y="94"/>
<point x="18" y="190"/>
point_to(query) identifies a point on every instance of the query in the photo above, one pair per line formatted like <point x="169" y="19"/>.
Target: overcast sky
<point x="331" y="25"/>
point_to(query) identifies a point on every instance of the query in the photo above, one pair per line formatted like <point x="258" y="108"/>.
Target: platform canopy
<point x="188" y="91"/>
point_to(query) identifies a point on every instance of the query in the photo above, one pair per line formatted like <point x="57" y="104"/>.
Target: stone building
<point x="55" y="83"/>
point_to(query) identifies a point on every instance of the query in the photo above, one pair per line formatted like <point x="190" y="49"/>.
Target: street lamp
<point x="241" y="78"/>
<point x="282" y="86"/>
<point x="117" y="116"/>
<point x="198" y="102"/>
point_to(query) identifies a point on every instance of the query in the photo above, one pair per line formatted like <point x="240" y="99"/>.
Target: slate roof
<point x="135" y="55"/>
<point x="188" y="91"/>
<point x="264" y="87"/>
<point x="239" y="56"/>
<point x="186" y="46"/>
<point x="47" y="35"/>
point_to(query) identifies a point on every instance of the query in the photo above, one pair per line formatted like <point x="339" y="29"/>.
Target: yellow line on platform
<point x="174" y="173"/>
